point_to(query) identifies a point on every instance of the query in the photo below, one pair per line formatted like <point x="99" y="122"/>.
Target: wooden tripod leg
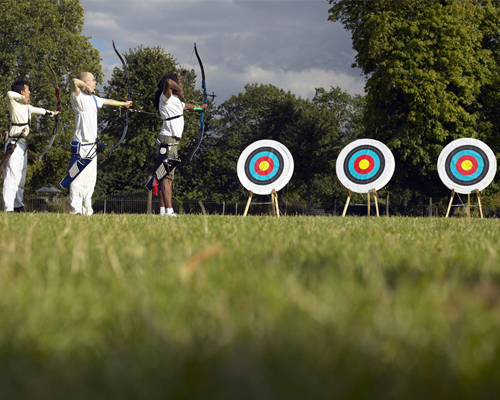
<point x="275" y="203"/>
<point x="375" y="197"/>
<point x="451" y="200"/>
<point x="347" y="203"/>
<point x="248" y="203"/>
<point x="479" y="202"/>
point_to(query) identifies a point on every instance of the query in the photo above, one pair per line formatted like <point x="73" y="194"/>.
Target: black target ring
<point x="251" y="160"/>
<point x="454" y="177"/>
<point x="380" y="164"/>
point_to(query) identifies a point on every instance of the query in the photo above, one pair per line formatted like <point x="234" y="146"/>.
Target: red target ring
<point x="264" y="166"/>
<point x="364" y="164"/>
<point x="467" y="165"/>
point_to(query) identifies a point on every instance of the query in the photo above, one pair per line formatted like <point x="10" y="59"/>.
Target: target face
<point x="466" y="165"/>
<point x="364" y="165"/>
<point x="265" y="165"/>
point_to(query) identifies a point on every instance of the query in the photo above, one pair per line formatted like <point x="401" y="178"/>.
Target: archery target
<point x="364" y="165"/>
<point x="265" y="165"/>
<point x="466" y="165"/>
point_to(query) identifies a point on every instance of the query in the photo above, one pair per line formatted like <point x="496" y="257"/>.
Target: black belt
<point x="171" y="118"/>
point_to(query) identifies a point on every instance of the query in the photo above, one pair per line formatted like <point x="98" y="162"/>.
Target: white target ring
<point x="365" y="165"/>
<point x="466" y="165"/>
<point x="265" y="165"/>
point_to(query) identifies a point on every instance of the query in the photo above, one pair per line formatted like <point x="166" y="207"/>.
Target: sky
<point x="287" y="43"/>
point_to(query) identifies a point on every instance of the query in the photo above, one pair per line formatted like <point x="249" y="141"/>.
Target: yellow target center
<point x="467" y="165"/>
<point x="264" y="166"/>
<point x="364" y="164"/>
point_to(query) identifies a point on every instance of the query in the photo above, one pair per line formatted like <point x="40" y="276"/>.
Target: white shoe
<point x="170" y="215"/>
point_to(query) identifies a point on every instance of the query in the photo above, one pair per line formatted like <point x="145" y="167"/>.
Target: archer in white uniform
<point x="86" y="105"/>
<point x="15" y="170"/>
<point x="171" y="108"/>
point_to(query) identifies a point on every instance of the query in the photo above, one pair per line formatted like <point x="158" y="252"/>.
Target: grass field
<point x="136" y="306"/>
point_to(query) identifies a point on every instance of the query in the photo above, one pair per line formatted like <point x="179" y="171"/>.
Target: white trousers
<point x="15" y="177"/>
<point x="82" y="188"/>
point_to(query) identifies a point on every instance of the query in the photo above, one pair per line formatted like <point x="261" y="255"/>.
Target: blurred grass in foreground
<point x="136" y="306"/>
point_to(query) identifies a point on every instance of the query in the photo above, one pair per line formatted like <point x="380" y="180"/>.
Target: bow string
<point x="129" y="97"/>
<point x="204" y="87"/>
<point x="58" y="108"/>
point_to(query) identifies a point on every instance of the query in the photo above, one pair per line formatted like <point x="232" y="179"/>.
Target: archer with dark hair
<point x="168" y="102"/>
<point x="18" y="86"/>
<point x="15" y="160"/>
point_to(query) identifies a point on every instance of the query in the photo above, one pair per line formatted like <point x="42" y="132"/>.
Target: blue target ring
<point x="479" y="163"/>
<point x="374" y="170"/>
<point x="253" y="166"/>
<point x="352" y="160"/>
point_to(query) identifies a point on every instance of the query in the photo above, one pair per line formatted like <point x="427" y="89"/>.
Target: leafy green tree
<point x="31" y="31"/>
<point x="426" y="64"/>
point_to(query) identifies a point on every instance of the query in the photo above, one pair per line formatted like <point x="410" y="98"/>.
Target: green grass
<point x="137" y="306"/>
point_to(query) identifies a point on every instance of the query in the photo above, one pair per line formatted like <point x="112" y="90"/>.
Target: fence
<point x="139" y="205"/>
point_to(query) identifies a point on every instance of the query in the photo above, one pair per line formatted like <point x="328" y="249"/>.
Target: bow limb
<point x="129" y="97"/>
<point x="58" y="108"/>
<point x="205" y="99"/>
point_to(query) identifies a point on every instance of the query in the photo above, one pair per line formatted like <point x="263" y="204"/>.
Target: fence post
<point x="104" y="206"/>
<point x="236" y="213"/>
<point x="223" y="207"/>
<point x="150" y="202"/>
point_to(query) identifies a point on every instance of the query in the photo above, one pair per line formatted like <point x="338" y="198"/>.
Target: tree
<point x="426" y="64"/>
<point x="30" y="32"/>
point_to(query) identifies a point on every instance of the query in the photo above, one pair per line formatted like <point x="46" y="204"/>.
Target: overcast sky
<point x="287" y="43"/>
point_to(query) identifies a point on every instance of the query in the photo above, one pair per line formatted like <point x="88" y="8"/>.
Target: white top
<point x="86" y="107"/>
<point x="20" y="113"/>
<point x="170" y="108"/>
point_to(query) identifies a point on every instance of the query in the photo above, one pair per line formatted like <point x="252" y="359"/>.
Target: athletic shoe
<point x="170" y="215"/>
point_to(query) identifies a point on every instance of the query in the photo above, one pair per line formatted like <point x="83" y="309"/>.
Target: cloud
<point x="288" y="43"/>
<point x="301" y="83"/>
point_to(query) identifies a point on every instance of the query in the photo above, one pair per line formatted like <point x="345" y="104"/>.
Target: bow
<point x="129" y="97"/>
<point x="204" y="86"/>
<point x="56" y="120"/>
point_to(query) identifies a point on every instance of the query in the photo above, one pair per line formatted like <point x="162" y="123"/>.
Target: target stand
<point x="274" y="203"/>
<point x="466" y="166"/>
<point x="375" y="198"/>
<point x="264" y="168"/>
<point x="478" y="194"/>
<point x="365" y="166"/>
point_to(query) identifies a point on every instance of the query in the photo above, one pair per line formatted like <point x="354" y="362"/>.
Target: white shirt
<point x="170" y="108"/>
<point x="20" y="113"/>
<point x="86" y="116"/>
